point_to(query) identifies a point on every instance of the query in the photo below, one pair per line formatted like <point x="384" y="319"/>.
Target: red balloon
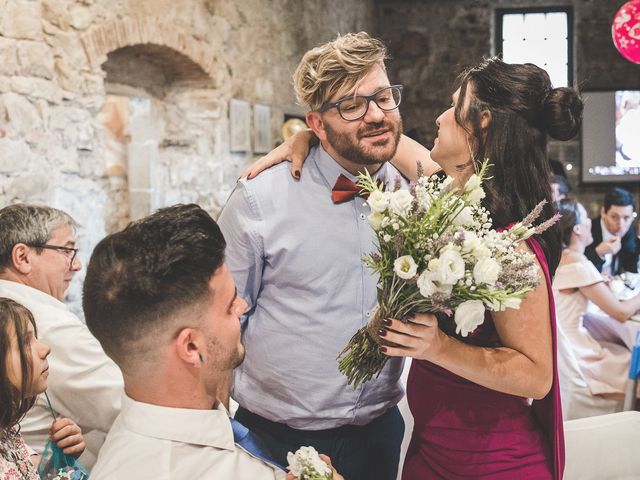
<point x="625" y="30"/>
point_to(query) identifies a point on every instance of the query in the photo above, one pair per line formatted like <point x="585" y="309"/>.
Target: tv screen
<point x="611" y="137"/>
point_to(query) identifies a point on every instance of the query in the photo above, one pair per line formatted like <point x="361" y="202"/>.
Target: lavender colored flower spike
<point x="535" y="213"/>
<point x="420" y="169"/>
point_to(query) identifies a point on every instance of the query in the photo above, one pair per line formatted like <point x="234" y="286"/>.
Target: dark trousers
<point x="368" y="452"/>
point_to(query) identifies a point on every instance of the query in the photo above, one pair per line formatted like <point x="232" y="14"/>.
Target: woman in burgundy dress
<point x="488" y="406"/>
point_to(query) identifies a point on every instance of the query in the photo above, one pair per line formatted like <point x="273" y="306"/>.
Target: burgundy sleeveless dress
<point x="464" y="430"/>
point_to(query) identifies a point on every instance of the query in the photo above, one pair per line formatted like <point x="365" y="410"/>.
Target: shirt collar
<point x="331" y="170"/>
<point x="191" y="426"/>
<point x="22" y="290"/>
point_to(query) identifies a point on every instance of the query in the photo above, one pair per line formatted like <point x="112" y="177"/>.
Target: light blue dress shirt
<point x="296" y="258"/>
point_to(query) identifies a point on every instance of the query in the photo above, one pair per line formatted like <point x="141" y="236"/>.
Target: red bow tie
<point x="344" y="190"/>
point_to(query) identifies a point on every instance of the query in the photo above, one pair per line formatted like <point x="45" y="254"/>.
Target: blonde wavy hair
<point x="336" y="66"/>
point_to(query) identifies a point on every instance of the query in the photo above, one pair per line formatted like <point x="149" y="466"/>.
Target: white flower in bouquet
<point x="437" y="252"/>
<point x="400" y="202"/>
<point x="501" y="305"/>
<point x="378" y="201"/>
<point x="306" y="464"/>
<point x="448" y="268"/>
<point x="468" y="316"/>
<point x="425" y="284"/>
<point x="464" y="217"/>
<point x="405" y="267"/>
<point x="486" y="271"/>
<point x="375" y="220"/>
<point x="474" y="189"/>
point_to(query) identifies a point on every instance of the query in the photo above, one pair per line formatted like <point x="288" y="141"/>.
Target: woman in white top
<point x="576" y="283"/>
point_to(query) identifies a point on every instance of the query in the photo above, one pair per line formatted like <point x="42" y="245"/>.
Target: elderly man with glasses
<point x="38" y="259"/>
<point x="295" y="250"/>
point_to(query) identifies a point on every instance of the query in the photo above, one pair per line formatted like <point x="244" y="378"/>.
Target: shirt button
<point x="359" y="404"/>
<point x="362" y="216"/>
<point x="368" y="314"/>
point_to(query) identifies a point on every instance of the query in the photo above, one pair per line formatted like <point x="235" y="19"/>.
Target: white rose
<point x="448" y="268"/>
<point x="472" y="183"/>
<point x="499" y="306"/>
<point x="378" y="201"/>
<point x="446" y="184"/>
<point x="476" y="195"/>
<point x="400" y="201"/>
<point x="426" y="285"/>
<point x="375" y="220"/>
<point x="486" y="271"/>
<point x="468" y="316"/>
<point x="405" y="267"/>
<point x="464" y="217"/>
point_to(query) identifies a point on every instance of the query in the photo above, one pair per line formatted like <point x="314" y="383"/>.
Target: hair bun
<point x="562" y="113"/>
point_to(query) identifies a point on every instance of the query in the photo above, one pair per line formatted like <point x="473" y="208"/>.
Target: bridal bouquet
<point x="437" y="252"/>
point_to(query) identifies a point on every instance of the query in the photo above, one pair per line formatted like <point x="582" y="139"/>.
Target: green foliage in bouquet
<point x="437" y="252"/>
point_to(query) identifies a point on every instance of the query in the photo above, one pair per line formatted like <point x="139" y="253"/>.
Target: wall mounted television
<point x="611" y="136"/>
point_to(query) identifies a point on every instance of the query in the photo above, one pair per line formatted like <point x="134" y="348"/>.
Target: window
<point x="539" y="36"/>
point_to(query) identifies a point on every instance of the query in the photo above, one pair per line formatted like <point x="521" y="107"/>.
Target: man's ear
<point x="315" y="122"/>
<point x="189" y="346"/>
<point x="603" y="212"/>
<point x="21" y="259"/>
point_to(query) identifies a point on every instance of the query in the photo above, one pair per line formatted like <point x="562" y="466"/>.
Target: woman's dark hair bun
<point x="562" y="112"/>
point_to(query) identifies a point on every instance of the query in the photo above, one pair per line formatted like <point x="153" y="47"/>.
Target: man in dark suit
<point x="615" y="248"/>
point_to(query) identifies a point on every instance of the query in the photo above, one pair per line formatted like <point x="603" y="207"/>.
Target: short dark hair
<point x="563" y="184"/>
<point x="141" y="277"/>
<point x="568" y="208"/>
<point x="619" y="197"/>
<point x="14" y="404"/>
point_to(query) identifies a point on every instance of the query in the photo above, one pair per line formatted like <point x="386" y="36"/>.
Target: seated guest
<point x="559" y="187"/>
<point x="161" y="301"/>
<point x="576" y="283"/>
<point x="23" y="375"/>
<point x="615" y="247"/>
<point x="38" y="259"/>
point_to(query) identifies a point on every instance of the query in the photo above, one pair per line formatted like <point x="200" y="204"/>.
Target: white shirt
<point x="84" y="384"/>
<point x="608" y="257"/>
<point x="162" y="443"/>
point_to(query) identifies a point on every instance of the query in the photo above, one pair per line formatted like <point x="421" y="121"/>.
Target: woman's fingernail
<point x="383" y="349"/>
<point x="296" y="173"/>
<point x="382" y="332"/>
<point x="386" y="322"/>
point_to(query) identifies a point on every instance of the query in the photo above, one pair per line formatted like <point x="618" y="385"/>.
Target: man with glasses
<point x="295" y="249"/>
<point x="38" y="259"/>
<point x="615" y="248"/>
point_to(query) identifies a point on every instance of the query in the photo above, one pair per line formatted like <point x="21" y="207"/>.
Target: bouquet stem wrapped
<point x="437" y="252"/>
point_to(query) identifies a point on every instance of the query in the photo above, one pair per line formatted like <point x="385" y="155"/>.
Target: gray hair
<point x="28" y="224"/>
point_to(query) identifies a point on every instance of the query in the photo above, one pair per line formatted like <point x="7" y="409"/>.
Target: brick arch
<point x="101" y="40"/>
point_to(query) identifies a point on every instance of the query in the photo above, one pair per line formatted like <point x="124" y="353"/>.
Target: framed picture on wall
<point x="262" y="142"/>
<point x="239" y="126"/>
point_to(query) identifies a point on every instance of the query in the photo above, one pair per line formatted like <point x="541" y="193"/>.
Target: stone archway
<point x="104" y="39"/>
<point x="158" y="82"/>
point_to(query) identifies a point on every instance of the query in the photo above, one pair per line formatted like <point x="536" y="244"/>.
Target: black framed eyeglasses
<point x="67" y="250"/>
<point x="355" y="107"/>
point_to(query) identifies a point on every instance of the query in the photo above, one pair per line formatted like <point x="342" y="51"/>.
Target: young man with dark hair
<point x="615" y="248"/>
<point x="161" y="301"/>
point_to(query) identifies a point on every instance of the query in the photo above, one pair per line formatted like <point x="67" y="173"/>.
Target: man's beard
<point x="352" y="150"/>
<point x="231" y="361"/>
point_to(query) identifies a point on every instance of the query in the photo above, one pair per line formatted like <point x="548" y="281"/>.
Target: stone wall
<point x="178" y="63"/>
<point x="432" y="41"/>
